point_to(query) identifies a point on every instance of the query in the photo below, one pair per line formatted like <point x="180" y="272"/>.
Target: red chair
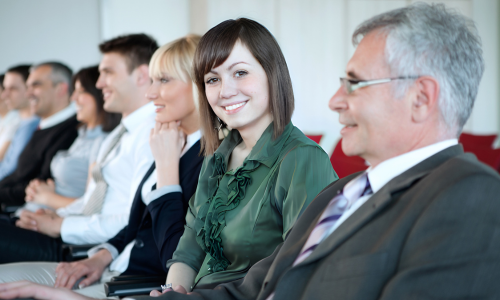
<point x="472" y="140"/>
<point x="316" y="138"/>
<point x="346" y="165"/>
<point x="491" y="157"/>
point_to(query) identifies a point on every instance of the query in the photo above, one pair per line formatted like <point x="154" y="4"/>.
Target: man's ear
<point x="142" y="75"/>
<point x="62" y="88"/>
<point x="425" y="102"/>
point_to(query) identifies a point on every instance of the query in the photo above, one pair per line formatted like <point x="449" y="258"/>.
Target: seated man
<point x="16" y="97"/>
<point x="122" y="161"/>
<point x="9" y="121"/>
<point x="422" y="222"/>
<point x="49" y="87"/>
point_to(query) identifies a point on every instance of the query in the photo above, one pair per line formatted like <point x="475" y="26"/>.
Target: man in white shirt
<point x="123" y="159"/>
<point x="17" y="99"/>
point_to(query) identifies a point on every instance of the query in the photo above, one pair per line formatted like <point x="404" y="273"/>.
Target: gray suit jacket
<point x="431" y="233"/>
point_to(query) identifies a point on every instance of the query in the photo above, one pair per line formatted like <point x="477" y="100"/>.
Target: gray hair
<point x="431" y="40"/>
<point x="59" y="73"/>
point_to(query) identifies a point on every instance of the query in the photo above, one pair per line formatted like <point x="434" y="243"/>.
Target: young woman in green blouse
<point x="256" y="181"/>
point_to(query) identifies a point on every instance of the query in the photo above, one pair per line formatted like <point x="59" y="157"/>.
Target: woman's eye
<point x="164" y="80"/>
<point x="240" y="73"/>
<point x="211" y="80"/>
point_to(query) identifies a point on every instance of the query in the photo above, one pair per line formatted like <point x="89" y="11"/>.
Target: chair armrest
<point x="139" y="278"/>
<point x="75" y="252"/>
<point x="133" y="287"/>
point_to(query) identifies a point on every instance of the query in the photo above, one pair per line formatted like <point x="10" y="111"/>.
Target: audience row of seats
<point x="482" y="146"/>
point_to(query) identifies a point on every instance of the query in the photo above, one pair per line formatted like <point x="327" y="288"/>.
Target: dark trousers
<point x="17" y="245"/>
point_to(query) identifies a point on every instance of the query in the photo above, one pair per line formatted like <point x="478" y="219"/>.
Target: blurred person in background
<point x="157" y="215"/>
<point x="9" y="121"/>
<point x="49" y="88"/>
<point x="17" y="99"/>
<point x="123" y="159"/>
<point x="70" y="168"/>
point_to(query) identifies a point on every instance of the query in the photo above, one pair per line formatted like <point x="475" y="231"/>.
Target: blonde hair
<point x="176" y="59"/>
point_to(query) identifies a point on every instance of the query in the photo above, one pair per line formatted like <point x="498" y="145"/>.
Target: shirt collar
<point x="389" y="169"/>
<point x="132" y="121"/>
<point x="191" y="140"/>
<point x="90" y="133"/>
<point x="265" y="151"/>
<point x="59" y="116"/>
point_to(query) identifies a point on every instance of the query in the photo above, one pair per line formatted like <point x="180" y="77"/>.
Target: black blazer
<point x="158" y="227"/>
<point x="34" y="161"/>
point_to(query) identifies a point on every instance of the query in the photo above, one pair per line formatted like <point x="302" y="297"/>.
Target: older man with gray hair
<point x="422" y="222"/>
<point x="49" y="90"/>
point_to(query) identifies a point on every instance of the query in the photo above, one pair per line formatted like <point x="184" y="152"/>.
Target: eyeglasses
<point x="352" y="85"/>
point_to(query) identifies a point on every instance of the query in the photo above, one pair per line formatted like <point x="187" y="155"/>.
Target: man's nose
<point x="337" y="102"/>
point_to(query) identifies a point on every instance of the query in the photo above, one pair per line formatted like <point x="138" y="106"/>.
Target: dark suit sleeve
<point x="120" y="241"/>
<point x="452" y="250"/>
<point x="244" y="289"/>
<point x="12" y="190"/>
<point x="167" y="213"/>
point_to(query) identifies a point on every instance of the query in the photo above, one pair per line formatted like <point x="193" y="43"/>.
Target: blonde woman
<point x="157" y="215"/>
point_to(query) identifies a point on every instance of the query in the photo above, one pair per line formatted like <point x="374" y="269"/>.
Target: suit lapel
<point x="189" y="160"/>
<point x="376" y="203"/>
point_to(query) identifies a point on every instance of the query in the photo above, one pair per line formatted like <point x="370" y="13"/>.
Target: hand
<point x="41" y="192"/>
<point x="68" y="273"/>
<point x="45" y="221"/>
<point x="27" y="221"/>
<point x="26" y="289"/>
<point x="166" y="141"/>
<point x="31" y="189"/>
<point x="179" y="289"/>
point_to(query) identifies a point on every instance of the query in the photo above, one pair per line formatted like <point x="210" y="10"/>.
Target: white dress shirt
<point x="9" y="125"/>
<point x="121" y="260"/>
<point x="389" y="169"/>
<point x="59" y="116"/>
<point x="122" y="170"/>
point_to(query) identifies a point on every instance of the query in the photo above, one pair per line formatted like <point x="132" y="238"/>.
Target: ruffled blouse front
<point x="237" y="217"/>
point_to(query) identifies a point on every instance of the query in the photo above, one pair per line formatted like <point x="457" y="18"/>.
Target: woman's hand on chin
<point x="166" y="141"/>
<point x="27" y="289"/>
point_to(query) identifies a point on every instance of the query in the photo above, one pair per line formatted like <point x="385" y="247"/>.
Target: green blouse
<point x="238" y="217"/>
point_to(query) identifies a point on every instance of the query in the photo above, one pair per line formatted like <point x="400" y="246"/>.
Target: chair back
<point x="473" y="140"/>
<point x="346" y="165"/>
<point x="316" y="138"/>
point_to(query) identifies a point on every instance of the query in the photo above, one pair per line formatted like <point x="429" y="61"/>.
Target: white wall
<point x="33" y="31"/>
<point x="165" y="20"/>
<point x="315" y="36"/>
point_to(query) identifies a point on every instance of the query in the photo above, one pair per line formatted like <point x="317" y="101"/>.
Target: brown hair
<point x="88" y="78"/>
<point x="136" y="48"/>
<point x="216" y="46"/>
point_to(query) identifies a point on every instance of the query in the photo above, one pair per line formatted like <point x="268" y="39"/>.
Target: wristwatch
<point x="166" y="287"/>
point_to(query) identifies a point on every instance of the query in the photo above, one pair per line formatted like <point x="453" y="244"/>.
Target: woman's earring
<point x="222" y="129"/>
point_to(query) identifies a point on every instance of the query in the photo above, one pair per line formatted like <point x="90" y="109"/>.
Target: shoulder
<point x="300" y="147"/>
<point x="463" y="167"/>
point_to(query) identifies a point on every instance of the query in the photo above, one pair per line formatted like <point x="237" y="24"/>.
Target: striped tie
<point x="351" y="192"/>
<point x="96" y="199"/>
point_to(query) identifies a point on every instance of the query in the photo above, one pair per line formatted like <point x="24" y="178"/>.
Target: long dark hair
<point x="88" y="78"/>
<point x="216" y="46"/>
